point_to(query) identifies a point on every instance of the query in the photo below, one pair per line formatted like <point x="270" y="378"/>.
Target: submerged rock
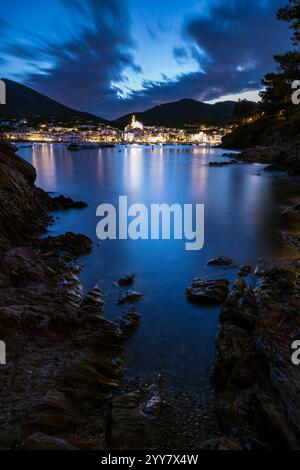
<point x="205" y="291"/>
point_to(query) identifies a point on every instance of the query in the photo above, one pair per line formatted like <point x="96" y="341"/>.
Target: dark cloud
<point x="84" y="67"/>
<point x="235" y="44"/>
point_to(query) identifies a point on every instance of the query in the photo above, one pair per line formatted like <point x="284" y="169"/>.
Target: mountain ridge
<point x="185" y="111"/>
<point x="23" y="101"/>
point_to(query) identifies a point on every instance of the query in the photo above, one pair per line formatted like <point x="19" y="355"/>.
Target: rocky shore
<point x="271" y="140"/>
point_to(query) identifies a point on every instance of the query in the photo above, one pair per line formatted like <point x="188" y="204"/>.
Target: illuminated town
<point x="88" y="133"/>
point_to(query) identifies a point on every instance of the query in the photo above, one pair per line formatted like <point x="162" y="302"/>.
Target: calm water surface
<point x="242" y="220"/>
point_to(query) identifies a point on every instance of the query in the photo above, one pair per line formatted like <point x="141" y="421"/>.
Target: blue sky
<point x="111" y="57"/>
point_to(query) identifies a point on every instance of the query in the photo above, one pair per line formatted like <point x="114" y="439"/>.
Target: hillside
<point x="25" y="102"/>
<point x="183" y="112"/>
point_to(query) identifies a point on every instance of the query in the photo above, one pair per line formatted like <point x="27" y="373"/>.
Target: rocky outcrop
<point x="257" y="386"/>
<point x="271" y="140"/>
<point x="60" y="203"/>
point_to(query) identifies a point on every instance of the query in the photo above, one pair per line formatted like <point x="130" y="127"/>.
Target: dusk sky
<point x="112" y="57"/>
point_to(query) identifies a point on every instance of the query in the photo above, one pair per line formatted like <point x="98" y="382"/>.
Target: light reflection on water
<point x="242" y="221"/>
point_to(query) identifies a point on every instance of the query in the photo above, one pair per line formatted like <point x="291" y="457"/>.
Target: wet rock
<point x="222" y="261"/>
<point x="74" y="244"/>
<point x="126" y="280"/>
<point x="204" y="291"/>
<point x="64" y="203"/>
<point x="41" y="441"/>
<point x="128" y="296"/>
<point x="245" y="270"/>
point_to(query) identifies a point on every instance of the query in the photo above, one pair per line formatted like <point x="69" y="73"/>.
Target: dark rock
<point x="292" y="240"/>
<point x="254" y="379"/>
<point x="262" y="267"/>
<point x="223" y="261"/>
<point x="205" y="291"/>
<point x="218" y="164"/>
<point x="245" y="271"/>
<point x="64" y="203"/>
<point x="128" y="296"/>
<point x="74" y="244"/>
<point x="126" y="280"/>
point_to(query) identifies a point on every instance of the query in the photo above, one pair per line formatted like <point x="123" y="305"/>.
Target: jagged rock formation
<point x="257" y="385"/>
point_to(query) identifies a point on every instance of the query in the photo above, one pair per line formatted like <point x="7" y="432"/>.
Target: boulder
<point x="205" y="291"/>
<point x="126" y="280"/>
<point x="222" y="261"/>
<point x="128" y="296"/>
